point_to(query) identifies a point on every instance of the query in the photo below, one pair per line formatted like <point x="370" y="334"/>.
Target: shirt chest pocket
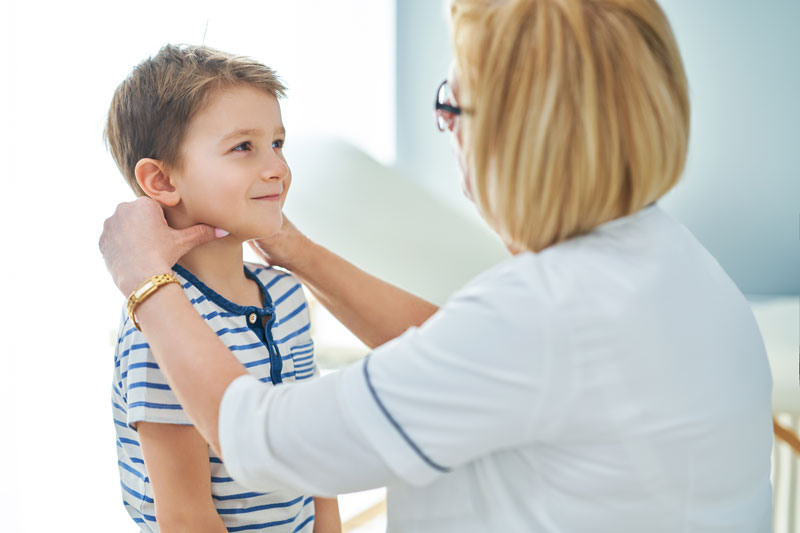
<point x="301" y="358"/>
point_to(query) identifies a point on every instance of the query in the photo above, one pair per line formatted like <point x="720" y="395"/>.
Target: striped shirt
<point x="276" y="349"/>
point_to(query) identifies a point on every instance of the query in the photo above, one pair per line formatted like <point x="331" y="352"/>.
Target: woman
<point x="608" y="377"/>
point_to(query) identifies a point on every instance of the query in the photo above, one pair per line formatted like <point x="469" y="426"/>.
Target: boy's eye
<point x="278" y="143"/>
<point x="244" y="147"/>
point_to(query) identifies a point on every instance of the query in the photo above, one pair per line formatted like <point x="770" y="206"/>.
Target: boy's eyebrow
<point x="244" y="132"/>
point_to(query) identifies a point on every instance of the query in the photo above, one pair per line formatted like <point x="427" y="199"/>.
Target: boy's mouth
<point x="268" y="197"/>
<point x="270" y="194"/>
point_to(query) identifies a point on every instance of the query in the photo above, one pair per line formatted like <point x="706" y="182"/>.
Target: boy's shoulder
<point x="274" y="279"/>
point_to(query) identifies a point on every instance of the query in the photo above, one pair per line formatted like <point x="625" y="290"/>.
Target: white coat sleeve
<point x="471" y="381"/>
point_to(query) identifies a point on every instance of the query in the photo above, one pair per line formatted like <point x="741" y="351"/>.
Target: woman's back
<point x="652" y="408"/>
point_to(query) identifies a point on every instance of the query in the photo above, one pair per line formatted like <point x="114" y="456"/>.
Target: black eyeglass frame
<point x="441" y="106"/>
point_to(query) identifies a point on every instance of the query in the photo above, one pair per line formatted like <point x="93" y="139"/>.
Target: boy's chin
<point x="254" y="232"/>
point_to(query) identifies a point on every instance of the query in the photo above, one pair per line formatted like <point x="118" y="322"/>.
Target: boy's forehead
<point x="240" y="109"/>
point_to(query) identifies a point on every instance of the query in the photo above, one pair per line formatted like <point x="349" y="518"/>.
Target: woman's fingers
<point x="187" y="238"/>
<point x="131" y="243"/>
<point x="279" y="249"/>
<point x="137" y="242"/>
<point x="257" y="249"/>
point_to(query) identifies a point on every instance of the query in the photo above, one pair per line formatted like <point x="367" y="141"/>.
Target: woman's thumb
<point x="188" y="238"/>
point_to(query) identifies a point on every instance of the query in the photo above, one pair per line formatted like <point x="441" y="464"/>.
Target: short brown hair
<point x="579" y="112"/>
<point x="151" y="110"/>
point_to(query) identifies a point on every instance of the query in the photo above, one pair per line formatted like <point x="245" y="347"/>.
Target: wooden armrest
<point x="364" y="516"/>
<point x="787" y="435"/>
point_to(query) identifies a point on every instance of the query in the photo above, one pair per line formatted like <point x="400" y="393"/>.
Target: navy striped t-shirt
<point x="276" y="349"/>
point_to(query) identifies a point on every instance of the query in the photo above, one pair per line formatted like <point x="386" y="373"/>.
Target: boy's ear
<point x="152" y="177"/>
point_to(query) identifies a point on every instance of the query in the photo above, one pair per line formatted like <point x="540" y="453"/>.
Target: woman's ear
<point x="152" y="177"/>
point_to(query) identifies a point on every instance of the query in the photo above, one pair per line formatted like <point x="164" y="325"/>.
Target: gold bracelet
<point x="144" y="290"/>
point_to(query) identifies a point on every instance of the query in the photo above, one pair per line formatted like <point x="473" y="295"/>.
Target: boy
<point x="200" y="132"/>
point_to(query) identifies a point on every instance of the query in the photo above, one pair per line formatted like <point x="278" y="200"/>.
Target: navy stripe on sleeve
<point x="303" y="524"/>
<point x="260" y="507"/>
<point x="240" y="496"/>
<point x="397" y="426"/>
<point x="275" y="280"/>
<point x="136" y="494"/>
<point x="261" y="526"/>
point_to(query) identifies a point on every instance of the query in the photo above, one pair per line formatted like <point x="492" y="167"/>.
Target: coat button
<point x="252" y="318"/>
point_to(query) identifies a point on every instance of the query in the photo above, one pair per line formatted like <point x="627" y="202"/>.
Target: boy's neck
<point x="218" y="264"/>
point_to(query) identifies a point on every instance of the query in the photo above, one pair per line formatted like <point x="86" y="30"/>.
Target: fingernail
<point x="219" y="232"/>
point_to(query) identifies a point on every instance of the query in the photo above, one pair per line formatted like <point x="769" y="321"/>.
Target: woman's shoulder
<point x="521" y="278"/>
<point x="598" y="272"/>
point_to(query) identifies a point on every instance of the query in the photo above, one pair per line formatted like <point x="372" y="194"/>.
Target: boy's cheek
<point x="208" y="212"/>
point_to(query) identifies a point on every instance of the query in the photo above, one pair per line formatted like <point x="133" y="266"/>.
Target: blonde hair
<point x="151" y="110"/>
<point x="578" y="112"/>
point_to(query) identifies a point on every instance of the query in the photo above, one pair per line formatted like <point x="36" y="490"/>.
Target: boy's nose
<point x="275" y="168"/>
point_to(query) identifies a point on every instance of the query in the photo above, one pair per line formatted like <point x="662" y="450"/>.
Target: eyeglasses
<point x="444" y="110"/>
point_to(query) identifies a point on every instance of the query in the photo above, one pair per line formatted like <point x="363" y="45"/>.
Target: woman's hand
<point x="137" y="243"/>
<point x="284" y="249"/>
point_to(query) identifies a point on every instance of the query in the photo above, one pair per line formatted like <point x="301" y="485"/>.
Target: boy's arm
<point x="326" y="516"/>
<point x="176" y="459"/>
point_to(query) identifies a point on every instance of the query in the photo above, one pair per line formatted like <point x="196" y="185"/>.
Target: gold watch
<point x="144" y="291"/>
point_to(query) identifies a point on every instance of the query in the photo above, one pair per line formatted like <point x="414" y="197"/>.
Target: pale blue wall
<point x="740" y="194"/>
<point x="423" y="57"/>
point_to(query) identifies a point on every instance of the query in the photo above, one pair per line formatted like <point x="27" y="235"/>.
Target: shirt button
<point x="252" y="318"/>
